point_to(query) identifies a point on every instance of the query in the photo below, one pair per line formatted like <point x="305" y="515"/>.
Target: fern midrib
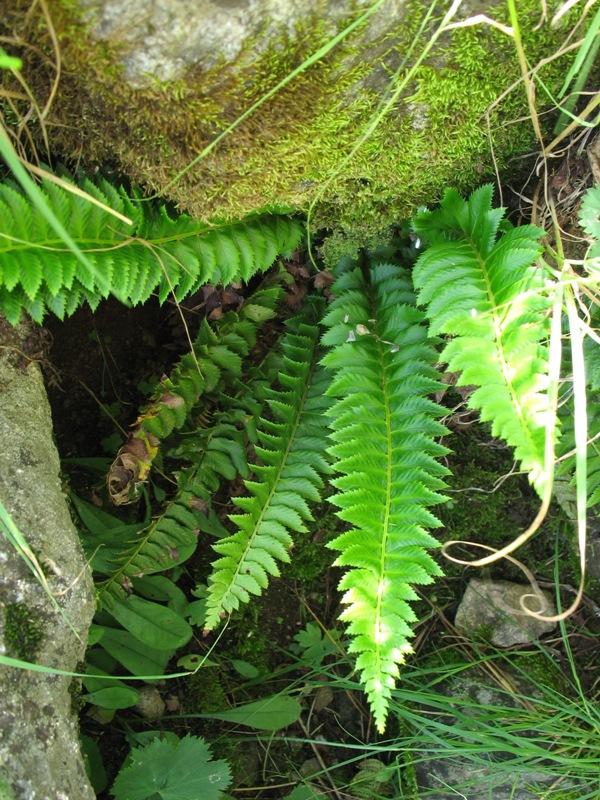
<point x="282" y="466"/>
<point x="388" y="500"/>
<point x="96" y="244"/>
<point x="51" y="245"/>
<point x="500" y="350"/>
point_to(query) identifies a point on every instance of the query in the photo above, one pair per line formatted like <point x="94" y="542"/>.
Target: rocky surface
<point x="492" y="610"/>
<point x="39" y="744"/>
<point x="444" y="773"/>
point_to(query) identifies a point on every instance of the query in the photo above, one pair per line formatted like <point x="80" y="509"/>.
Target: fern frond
<point x="216" y="359"/>
<point x="287" y="479"/>
<point x="169" y="540"/>
<point x="384" y="429"/>
<point x="155" y="253"/>
<point x="483" y="292"/>
<point x="215" y="452"/>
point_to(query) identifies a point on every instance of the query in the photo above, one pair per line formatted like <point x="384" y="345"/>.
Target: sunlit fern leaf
<point x="483" y="292"/>
<point x="384" y="432"/>
<point x="156" y="253"/>
<point x="287" y="478"/>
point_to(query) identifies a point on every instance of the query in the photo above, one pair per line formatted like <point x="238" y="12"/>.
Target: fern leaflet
<point x="383" y="428"/>
<point x="288" y="477"/>
<point x="482" y="291"/>
<point x="216" y="357"/>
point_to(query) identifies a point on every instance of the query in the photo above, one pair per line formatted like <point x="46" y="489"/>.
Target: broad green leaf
<point x="155" y="625"/>
<point x="269" y="714"/>
<point x="245" y="669"/>
<point x="113" y="697"/>
<point x="135" y="656"/>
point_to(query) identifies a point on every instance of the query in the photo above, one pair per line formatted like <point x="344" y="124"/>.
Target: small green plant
<point x="172" y="769"/>
<point x="313" y="645"/>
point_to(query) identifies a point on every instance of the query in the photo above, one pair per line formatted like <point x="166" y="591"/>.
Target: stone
<point x="492" y="610"/>
<point x="207" y="102"/>
<point x="40" y="754"/>
<point x="150" y="703"/>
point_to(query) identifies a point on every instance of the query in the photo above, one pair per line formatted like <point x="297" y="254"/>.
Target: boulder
<point x="342" y="108"/>
<point x="39" y="743"/>
<point x="492" y="610"/>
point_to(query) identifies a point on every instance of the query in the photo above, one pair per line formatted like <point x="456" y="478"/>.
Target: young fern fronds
<point x="210" y="453"/>
<point x="384" y="429"/>
<point x="155" y="253"/>
<point x="291" y="454"/>
<point x="482" y="290"/>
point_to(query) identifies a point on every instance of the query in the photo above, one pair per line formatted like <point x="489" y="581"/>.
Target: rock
<point x="39" y="743"/>
<point x="150" y="703"/>
<point x="492" y="610"/>
<point x="148" y="87"/>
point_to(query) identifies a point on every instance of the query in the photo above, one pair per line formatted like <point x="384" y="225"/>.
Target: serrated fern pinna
<point x="481" y="288"/>
<point x="288" y="476"/>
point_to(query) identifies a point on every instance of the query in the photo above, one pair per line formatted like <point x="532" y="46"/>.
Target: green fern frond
<point x="172" y="536"/>
<point x="384" y="429"/>
<point x="216" y="359"/>
<point x="287" y="479"/>
<point x="155" y="253"/>
<point x="484" y="294"/>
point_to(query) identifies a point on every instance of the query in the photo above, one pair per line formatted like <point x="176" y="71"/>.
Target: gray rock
<point x="39" y="744"/>
<point x="492" y="610"/>
<point x="161" y="40"/>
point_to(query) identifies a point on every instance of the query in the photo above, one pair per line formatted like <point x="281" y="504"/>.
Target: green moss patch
<point x="290" y="151"/>
<point x="23" y="631"/>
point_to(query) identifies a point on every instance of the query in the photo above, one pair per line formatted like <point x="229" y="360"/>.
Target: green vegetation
<point x="23" y="631"/>
<point x="277" y="410"/>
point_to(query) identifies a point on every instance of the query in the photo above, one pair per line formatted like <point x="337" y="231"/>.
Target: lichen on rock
<point x="39" y="743"/>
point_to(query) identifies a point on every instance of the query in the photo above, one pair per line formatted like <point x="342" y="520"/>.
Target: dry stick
<point x="591" y="106"/>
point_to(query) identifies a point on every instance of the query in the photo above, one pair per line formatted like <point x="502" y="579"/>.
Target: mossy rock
<point x="147" y="93"/>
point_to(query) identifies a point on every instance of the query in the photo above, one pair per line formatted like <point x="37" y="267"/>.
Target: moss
<point x="23" y="631"/>
<point x="482" y="508"/>
<point x="204" y="692"/>
<point x="540" y="670"/>
<point x="283" y="154"/>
